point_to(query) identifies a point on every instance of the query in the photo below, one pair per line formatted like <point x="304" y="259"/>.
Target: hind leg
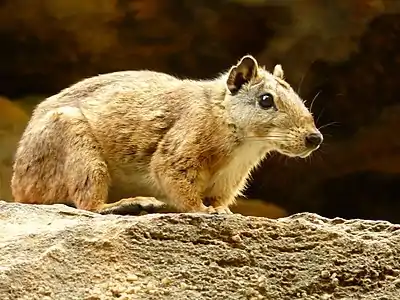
<point x="59" y="161"/>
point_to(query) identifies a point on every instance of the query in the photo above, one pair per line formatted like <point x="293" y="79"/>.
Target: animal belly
<point x="131" y="184"/>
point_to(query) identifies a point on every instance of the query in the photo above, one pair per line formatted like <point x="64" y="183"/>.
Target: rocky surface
<point x="57" y="252"/>
<point x="346" y="52"/>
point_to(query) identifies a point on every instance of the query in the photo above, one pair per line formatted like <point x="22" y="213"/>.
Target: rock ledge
<point x="57" y="252"/>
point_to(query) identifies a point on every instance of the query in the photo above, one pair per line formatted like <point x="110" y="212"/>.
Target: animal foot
<point x="219" y="210"/>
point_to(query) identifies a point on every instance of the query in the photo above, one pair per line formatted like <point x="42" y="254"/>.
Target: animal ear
<point x="278" y="72"/>
<point x="242" y="73"/>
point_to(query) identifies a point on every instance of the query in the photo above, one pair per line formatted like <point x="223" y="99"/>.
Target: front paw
<point x="224" y="210"/>
<point x="220" y="210"/>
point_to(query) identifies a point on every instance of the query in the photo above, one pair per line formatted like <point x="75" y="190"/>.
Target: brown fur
<point x="134" y="135"/>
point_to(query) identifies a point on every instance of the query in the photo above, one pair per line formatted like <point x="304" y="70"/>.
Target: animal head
<point x="265" y="108"/>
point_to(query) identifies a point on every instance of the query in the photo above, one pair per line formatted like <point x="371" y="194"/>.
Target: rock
<point x="57" y="252"/>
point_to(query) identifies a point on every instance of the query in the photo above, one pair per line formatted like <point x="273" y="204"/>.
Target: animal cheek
<point x="297" y="137"/>
<point x="295" y="143"/>
<point x="296" y="132"/>
<point x="309" y="124"/>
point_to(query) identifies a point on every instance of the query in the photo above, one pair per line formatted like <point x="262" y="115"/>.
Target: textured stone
<point x="57" y="252"/>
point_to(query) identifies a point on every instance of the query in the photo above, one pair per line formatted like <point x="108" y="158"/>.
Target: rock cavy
<point x="112" y="141"/>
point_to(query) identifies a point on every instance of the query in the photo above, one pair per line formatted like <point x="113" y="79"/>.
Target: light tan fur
<point x="134" y="135"/>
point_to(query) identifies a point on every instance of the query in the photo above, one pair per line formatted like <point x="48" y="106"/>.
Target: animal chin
<point x="303" y="154"/>
<point x="287" y="153"/>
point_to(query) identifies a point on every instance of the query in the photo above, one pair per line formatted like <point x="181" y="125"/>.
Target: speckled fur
<point x="147" y="134"/>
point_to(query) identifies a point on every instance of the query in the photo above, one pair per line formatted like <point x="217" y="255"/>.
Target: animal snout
<point x="313" y="140"/>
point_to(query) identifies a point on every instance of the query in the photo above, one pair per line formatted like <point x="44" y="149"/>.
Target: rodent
<point x="113" y="140"/>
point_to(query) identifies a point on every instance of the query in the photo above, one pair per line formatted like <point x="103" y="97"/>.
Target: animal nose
<point x="313" y="140"/>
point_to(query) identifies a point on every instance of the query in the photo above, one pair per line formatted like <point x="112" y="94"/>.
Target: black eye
<point x="266" y="101"/>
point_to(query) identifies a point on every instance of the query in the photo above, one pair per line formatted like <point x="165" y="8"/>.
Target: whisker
<point x="268" y="139"/>
<point x="285" y="160"/>
<point x="318" y="156"/>
<point x="329" y="124"/>
<point x="272" y="136"/>
<point x="303" y="77"/>
<point x="301" y="83"/>
<point x="327" y="134"/>
<point x="315" y="97"/>
<point x="320" y="114"/>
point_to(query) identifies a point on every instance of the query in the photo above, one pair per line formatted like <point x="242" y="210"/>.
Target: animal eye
<point x="266" y="101"/>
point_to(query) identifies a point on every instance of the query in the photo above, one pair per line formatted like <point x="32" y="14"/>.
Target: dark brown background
<point x="347" y="51"/>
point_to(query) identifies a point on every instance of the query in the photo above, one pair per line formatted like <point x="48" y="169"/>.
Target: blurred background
<point x="346" y="53"/>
